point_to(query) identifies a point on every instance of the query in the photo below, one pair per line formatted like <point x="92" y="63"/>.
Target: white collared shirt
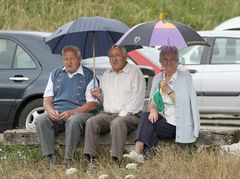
<point x="89" y="98"/>
<point x="123" y="92"/>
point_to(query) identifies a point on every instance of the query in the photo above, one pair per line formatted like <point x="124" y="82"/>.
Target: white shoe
<point x="135" y="156"/>
<point x="131" y="166"/>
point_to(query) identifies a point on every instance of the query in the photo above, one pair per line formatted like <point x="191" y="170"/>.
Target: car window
<point x="22" y="59"/>
<point x="226" y="51"/>
<point x="7" y="51"/>
<point x="191" y="55"/>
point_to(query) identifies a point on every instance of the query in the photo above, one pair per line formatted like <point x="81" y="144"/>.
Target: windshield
<point x="191" y="55"/>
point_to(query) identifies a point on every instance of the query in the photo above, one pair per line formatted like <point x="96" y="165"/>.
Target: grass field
<point x="47" y="15"/>
<point x="170" y="162"/>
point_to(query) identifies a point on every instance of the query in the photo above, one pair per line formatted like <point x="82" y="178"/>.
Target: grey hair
<point x="119" y="46"/>
<point x="72" y="48"/>
<point x="168" y="49"/>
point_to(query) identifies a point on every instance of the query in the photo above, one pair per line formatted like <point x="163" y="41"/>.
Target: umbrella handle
<point x="94" y="67"/>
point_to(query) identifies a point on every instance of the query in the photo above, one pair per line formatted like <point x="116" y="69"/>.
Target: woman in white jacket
<point x="173" y="110"/>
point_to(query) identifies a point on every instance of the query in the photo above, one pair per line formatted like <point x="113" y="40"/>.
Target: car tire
<point x="29" y="113"/>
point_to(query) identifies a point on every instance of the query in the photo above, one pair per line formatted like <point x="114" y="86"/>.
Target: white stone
<point x="129" y="176"/>
<point x="103" y="176"/>
<point x="71" y="171"/>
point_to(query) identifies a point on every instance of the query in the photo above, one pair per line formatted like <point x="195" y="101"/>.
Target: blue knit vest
<point x="69" y="93"/>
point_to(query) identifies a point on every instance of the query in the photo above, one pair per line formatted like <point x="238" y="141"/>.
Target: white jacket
<point x="186" y="107"/>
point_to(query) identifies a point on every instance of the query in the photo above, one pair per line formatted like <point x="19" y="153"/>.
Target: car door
<point x="221" y="77"/>
<point x="17" y="71"/>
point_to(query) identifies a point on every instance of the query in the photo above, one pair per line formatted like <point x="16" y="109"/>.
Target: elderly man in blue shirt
<point x="68" y="104"/>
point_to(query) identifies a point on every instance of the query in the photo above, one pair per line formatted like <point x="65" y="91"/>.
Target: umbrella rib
<point x="110" y="34"/>
<point x="56" y="46"/>
<point x="85" y="43"/>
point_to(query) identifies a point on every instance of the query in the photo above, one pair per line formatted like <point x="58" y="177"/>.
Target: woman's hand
<point x="164" y="86"/>
<point x="153" y="116"/>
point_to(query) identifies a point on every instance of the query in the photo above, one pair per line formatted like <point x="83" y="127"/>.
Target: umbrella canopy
<point x="93" y="35"/>
<point x="158" y="33"/>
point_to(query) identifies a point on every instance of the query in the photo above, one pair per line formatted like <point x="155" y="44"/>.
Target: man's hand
<point x="153" y="116"/>
<point x="65" y="115"/>
<point x="54" y="114"/>
<point x="95" y="92"/>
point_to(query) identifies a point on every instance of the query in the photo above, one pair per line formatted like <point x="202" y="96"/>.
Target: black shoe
<point x="115" y="164"/>
<point x="52" y="160"/>
<point x="67" y="161"/>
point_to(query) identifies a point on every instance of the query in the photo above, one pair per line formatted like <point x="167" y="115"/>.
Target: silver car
<point x="216" y="71"/>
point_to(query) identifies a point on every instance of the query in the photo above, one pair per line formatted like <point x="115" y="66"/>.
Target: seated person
<point x="173" y="108"/>
<point x="68" y="104"/>
<point x="123" y="94"/>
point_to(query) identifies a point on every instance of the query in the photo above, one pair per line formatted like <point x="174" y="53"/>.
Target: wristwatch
<point x="171" y="92"/>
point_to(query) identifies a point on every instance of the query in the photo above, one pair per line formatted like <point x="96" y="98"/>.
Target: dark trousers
<point x="150" y="134"/>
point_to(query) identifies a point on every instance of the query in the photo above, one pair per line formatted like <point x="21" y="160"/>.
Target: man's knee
<point x="41" y="120"/>
<point x="72" y="121"/>
<point x="77" y="120"/>
<point x="91" y="124"/>
<point x="117" y="123"/>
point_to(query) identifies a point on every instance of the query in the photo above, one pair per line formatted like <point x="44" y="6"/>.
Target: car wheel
<point x="29" y="113"/>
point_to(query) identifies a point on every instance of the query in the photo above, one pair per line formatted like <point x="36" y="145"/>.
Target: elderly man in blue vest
<point x="68" y="104"/>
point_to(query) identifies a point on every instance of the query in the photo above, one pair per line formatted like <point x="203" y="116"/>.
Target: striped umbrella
<point x="158" y="33"/>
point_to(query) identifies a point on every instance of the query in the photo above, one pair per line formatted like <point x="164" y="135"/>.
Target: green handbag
<point x="157" y="97"/>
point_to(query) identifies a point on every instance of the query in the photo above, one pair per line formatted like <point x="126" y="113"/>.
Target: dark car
<point x="25" y="64"/>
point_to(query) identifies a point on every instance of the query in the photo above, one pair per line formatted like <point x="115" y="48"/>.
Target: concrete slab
<point x="206" y="137"/>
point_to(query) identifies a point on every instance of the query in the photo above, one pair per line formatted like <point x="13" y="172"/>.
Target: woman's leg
<point x="139" y="147"/>
<point x="146" y="133"/>
<point x="144" y="137"/>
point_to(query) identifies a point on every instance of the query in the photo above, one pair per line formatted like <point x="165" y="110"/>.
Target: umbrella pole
<point x="94" y="68"/>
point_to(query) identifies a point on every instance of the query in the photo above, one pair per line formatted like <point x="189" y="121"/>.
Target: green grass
<point x="169" y="162"/>
<point x="47" y="15"/>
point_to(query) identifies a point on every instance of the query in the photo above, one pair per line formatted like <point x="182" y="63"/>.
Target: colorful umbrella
<point x="158" y="33"/>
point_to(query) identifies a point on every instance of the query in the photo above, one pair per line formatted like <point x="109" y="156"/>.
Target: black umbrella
<point x="93" y="35"/>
